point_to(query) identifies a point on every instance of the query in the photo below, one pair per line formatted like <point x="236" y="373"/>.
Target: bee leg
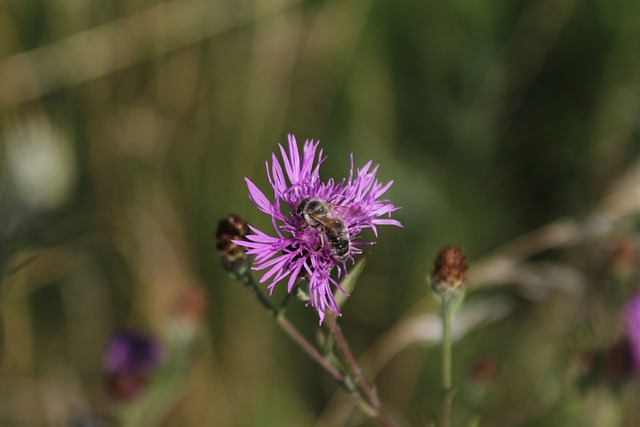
<point x="320" y="246"/>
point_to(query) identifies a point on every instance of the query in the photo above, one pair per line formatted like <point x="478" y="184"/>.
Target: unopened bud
<point x="192" y="304"/>
<point x="625" y="259"/>
<point x="619" y="362"/>
<point x="484" y="370"/>
<point x="613" y="366"/>
<point x="449" y="271"/>
<point x="188" y="314"/>
<point x="231" y="228"/>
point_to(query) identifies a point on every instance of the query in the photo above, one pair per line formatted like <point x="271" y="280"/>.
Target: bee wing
<point x="342" y="211"/>
<point x="332" y="222"/>
<point x="326" y="220"/>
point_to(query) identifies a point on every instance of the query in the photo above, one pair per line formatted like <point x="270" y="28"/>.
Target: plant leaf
<point x="349" y="282"/>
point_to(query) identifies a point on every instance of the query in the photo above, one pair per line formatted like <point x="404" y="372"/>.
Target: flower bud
<point x="619" y="361"/>
<point x="188" y="314"/>
<point x="632" y="324"/>
<point x="231" y="228"/>
<point x="484" y="370"/>
<point x="624" y="262"/>
<point x="449" y="271"/>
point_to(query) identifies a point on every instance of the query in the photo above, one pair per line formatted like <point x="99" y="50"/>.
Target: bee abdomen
<point x="339" y="246"/>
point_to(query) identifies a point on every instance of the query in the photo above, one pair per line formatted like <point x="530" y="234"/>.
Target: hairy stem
<point x="360" y="378"/>
<point x="295" y="335"/>
<point x="314" y="354"/>
<point x="447" y="383"/>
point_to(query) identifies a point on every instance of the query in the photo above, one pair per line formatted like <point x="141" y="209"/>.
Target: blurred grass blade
<point x="13" y="270"/>
<point x="102" y="50"/>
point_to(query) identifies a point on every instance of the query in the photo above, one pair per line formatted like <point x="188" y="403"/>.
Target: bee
<point x="322" y="216"/>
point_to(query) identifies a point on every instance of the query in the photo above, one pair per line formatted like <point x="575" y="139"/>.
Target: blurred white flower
<point x="40" y="163"/>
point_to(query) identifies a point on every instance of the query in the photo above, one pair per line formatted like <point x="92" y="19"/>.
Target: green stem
<point x="447" y="383"/>
<point x="249" y="281"/>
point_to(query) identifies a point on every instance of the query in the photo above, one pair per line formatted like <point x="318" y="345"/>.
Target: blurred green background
<point x="127" y="128"/>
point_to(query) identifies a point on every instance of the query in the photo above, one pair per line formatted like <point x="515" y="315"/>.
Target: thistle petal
<point x="258" y="198"/>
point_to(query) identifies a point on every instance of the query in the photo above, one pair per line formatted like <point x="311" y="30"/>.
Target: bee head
<point x="301" y="206"/>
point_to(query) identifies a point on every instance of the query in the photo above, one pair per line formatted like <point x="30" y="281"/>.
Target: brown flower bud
<point x="192" y="304"/>
<point x="449" y="271"/>
<point x="613" y="366"/>
<point x="618" y="361"/>
<point x="625" y="259"/>
<point x="128" y="386"/>
<point x="230" y="228"/>
<point x="484" y="369"/>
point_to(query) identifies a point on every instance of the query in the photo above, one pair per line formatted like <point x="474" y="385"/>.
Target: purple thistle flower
<point x="129" y="360"/>
<point x="311" y="245"/>
<point x="632" y="320"/>
<point x="132" y="352"/>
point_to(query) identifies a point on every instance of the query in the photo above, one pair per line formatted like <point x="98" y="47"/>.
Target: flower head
<point x="632" y="320"/>
<point x="317" y="223"/>
<point x="129" y="360"/>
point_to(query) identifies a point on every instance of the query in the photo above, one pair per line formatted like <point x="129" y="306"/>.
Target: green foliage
<point x="493" y="119"/>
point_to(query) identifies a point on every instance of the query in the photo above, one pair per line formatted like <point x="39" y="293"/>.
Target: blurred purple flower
<point x="304" y="247"/>
<point x="632" y="319"/>
<point x="132" y="351"/>
<point x="129" y="360"/>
